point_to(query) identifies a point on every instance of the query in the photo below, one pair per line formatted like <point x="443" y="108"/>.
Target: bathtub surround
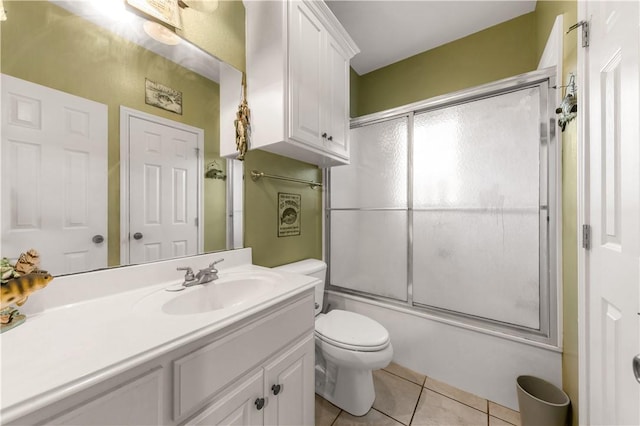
<point x="485" y="364"/>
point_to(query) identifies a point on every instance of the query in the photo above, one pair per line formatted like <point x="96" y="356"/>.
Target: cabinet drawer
<point x="200" y="374"/>
<point x="138" y="402"/>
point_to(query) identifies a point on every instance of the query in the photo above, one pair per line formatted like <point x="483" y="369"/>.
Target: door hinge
<point x="197" y="152"/>
<point x="197" y="221"/>
<point x="586" y="237"/>
<point x="585" y="31"/>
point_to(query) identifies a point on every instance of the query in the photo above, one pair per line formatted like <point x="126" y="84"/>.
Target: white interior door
<point x="54" y="177"/>
<point x="164" y="184"/>
<point x="612" y="180"/>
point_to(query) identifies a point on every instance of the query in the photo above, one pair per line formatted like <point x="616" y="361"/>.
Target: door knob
<point x="636" y="367"/>
<point x="137" y="236"/>
<point x="324" y="135"/>
<point x="276" y="389"/>
<point x="330" y="138"/>
<point x="97" y="239"/>
<point x="259" y="403"/>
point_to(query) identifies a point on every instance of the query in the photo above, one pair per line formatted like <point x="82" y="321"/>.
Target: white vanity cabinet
<point x="257" y="370"/>
<point x="298" y="81"/>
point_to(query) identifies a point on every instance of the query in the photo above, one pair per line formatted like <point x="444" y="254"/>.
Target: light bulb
<point x="160" y="33"/>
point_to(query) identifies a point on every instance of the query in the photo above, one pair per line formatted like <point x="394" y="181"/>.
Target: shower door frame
<point x="550" y="294"/>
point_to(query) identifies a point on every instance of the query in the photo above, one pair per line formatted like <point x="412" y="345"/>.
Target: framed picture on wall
<point x="161" y="96"/>
<point x="288" y="214"/>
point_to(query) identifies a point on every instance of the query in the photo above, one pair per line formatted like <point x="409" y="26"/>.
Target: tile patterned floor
<point x="404" y="397"/>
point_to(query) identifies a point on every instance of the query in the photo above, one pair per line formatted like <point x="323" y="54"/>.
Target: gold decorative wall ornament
<point x="242" y="122"/>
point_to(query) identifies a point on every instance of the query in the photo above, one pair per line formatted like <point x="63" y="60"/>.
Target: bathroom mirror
<point x="70" y="71"/>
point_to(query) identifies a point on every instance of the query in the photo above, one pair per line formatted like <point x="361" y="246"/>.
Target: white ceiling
<point x="388" y="31"/>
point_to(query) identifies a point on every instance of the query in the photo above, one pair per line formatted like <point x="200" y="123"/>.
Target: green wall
<point x="498" y="52"/>
<point x="261" y="210"/>
<point x="501" y="51"/>
<point x="220" y="33"/>
<point x="47" y="45"/>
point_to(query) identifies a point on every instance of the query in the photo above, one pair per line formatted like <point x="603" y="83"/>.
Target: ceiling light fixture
<point x="161" y="33"/>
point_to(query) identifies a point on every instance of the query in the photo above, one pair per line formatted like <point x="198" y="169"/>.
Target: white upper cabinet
<point x="297" y="81"/>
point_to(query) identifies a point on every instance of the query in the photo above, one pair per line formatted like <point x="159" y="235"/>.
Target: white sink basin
<point x="217" y="295"/>
<point x="226" y="292"/>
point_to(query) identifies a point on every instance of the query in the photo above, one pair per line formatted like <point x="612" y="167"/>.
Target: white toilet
<point x="348" y="347"/>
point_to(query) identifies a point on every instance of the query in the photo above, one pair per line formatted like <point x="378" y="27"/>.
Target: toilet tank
<point x="313" y="268"/>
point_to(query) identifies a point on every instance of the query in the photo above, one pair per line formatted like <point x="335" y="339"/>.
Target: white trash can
<point x="541" y="403"/>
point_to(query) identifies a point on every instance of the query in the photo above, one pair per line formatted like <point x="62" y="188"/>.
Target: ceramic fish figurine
<point x="17" y="290"/>
<point x="7" y="271"/>
<point x="28" y="262"/>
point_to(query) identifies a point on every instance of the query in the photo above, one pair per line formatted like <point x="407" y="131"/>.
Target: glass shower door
<point x="476" y="211"/>
<point x="368" y="207"/>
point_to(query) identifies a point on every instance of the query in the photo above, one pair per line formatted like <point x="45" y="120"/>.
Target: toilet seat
<point x="351" y="331"/>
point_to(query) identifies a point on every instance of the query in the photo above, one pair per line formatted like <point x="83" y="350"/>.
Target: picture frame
<point x="289" y="208"/>
<point x="161" y="96"/>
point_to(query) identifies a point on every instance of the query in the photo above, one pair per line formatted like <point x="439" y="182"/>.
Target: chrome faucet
<point x="202" y="277"/>
<point x="208" y="274"/>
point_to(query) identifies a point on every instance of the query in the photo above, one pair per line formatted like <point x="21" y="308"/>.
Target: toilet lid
<point x="351" y="331"/>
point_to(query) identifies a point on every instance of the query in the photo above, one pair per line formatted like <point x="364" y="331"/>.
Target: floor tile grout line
<point x="499" y="418"/>
<point x="440" y="393"/>
<point x="461" y="402"/>
<point x="336" y="419"/>
<point x="391" y="417"/>
<point x="416" y="407"/>
<point x="404" y="378"/>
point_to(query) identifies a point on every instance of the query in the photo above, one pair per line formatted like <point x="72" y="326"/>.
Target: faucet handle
<point x="215" y="262"/>
<point x="188" y="275"/>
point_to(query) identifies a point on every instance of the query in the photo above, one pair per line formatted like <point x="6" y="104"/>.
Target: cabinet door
<point x="336" y="109"/>
<point x="305" y="79"/>
<point x="237" y="407"/>
<point x="289" y="382"/>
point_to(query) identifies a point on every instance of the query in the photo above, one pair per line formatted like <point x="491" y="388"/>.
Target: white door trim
<point x="125" y="115"/>
<point x="583" y="217"/>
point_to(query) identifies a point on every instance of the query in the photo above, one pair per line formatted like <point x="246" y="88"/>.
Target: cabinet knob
<point x="259" y="403"/>
<point x="276" y="389"/>
<point x="324" y="135"/>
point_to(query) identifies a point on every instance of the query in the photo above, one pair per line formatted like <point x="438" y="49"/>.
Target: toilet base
<point x="341" y="380"/>
<point x="352" y="390"/>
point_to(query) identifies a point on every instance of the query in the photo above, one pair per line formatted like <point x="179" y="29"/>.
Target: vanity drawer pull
<point x="259" y="403"/>
<point x="276" y="389"/>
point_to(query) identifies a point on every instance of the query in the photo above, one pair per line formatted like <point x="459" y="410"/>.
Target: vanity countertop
<point x="60" y="351"/>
